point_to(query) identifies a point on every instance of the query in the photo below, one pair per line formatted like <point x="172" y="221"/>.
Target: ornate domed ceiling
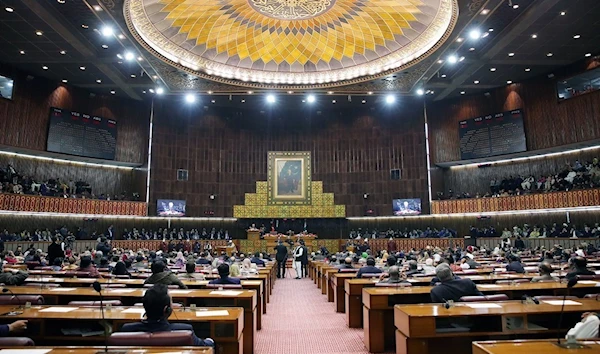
<point x="291" y="43"/>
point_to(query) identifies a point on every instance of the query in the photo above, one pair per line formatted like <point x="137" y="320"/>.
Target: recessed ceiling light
<point x="471" y="49"/>
<point x="588" y="55"/>
<point x="243" y="101"/>
<point x="527" y="69"/>
<point x="515" y="6"/>
<point x="370" y="92"/>
<point x="144" y="92"/>
<point x="443" y="75"/>
<point x="460" y="39"/>
<point x="311" y="98"/>
<point x="364" y="101"/>
<point x="290" y="92"/>
<point x="9" y="9"/>
<point x="45" y="67"/>
<point x="534" y="36"/>
<point x="105" y="46"/>
<point x="562" y="13"/>
<point x="190" y="98"/>
<point x="476" y="82"/>
<point x="303" y="101"/>
<point x="333" y="101"/>
<point x="213" y="101"/>
<point x="61" y="1"/>
<point x="154" y="77"/>
<point x="250" y="92"/>
<point x="22" y="52"/>
<point x="389" y="99"/>
<point x="461" y="59"/>
<point x="107" y="31"/>
<point x="475" y="34"/>
<point x="85" y="26"/>
<point x="112" y="92"/>
<point x="511" y="54"/>
<point x="485" y="34"/>
<point x="64" y="81"/>
<point x="82" y="68"/>
<point x="492" y="69"/>
<point x="485" y="11"/>
<point x="549" y="54"/>
<point x="133" y="76"/>
<point x="63" y="52"/>
<point x="160" y="90"/>
<point x="462" y="92"/>
<point x="209" y="92"/>
<point x="420" y="92"/>
<point x="330" y="92"/>
<point x="39" y="33"/>
<point x="491" y="30"/>
<point x="140" y="58"/>
<point x="99" y="81"/>
<point x="97" y="7"/>
<point x="452" y="59"/>
<point x="129" y="56"/>
<point x="440" y="61"/>
<point x="577" y="36"/>
<point x="509" y="82"/>
<point x="270" y="98"/>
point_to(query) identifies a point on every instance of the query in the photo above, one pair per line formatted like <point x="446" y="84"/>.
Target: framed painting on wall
<point x="289" y="178"/>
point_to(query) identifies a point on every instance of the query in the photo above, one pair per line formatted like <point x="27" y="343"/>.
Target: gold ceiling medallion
<point x="291" y="9"/>
<point x="291" y="43"/>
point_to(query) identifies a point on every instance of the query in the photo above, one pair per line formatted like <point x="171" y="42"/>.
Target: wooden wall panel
<point x="225" y="151"/>
<point x="24" y="120"/>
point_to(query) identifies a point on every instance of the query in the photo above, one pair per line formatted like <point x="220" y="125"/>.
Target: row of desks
<point x="121" y="350"/>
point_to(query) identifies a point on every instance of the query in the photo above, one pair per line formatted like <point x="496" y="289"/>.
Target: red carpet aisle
<point x="301" y="321"/>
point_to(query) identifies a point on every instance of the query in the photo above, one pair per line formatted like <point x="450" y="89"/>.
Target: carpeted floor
<point x="299" y="320"/>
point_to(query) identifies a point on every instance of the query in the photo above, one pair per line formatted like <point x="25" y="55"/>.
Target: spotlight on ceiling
<point x="129" y="56"/>
<point x="160" y="91"/>
<point x="39" y="33"/>
<point x="311" y="99"/>
<point x="63" y="52"/>
<point x="107" y="31"/>
<point x="65" y="81"/>
<point x="452" y="59"/>
<point x="389" y="99"/>
<point x="475" y="34"/>
<point x="113" y="92"/>
<point x="45" y="67"/>
<point x="462" y="92"/>
<point x="587" y="55"/>
<point x="97" y="7"/>
<point x="9" y="9"/>
<point x="420" y="92"/>
<point x="190" y="98"/>
<point x="271" y="98"/>
<point x="82" y="68"/>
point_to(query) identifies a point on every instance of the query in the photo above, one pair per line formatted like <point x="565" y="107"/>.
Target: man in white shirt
<point x="298" y="251"/>
<point x="587" y="328"/>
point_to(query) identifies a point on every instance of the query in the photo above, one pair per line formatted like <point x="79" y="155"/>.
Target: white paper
<point x="134" y="310"/>
<point x="62" y="289"/>
<point x="488" y="286"/>
<point x="121" y="291"/>
<point x="212" y="313"/>
<point x="226" y="292"/>
<point x="179" y="292"/>
<point x="484" y="306"/>
<point x="59" y="309"/>
<point x="23" y="351"/>
<point x="591" y="282"/>
<point x="560" y="302"/>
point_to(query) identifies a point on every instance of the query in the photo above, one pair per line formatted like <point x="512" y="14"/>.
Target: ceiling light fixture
<point x="461" y="59"/>
<point x="97" y="7"/>
<point x="113" y="92"/>
<point x="491" y="30"/>
<point x="549" y="54"/>
<point x="144" y="92"/>
<point x="250" y="92"/>
<point x="527" y="69"/>
<point x="492" y="69"/>
<point x="311" y="99"/>
<point x="509" y="82"/>
<point x="534" y="36"/>
<point x="213" y="101"/>
<point x="330" y="92"/>
<point x="462" y="92"/>
<point x="290" y="92"/>
<point x="129" y="56"/>
<point x="9" y="9"/>
<point x="485" y="12"/>
<point x="45" y="67"/>
<point x="471" y="49"/>
<point x="420" y="92"/>
<point x="160" y="90"/>
<point x="271" y="99"/>
<point x="84" y="26"/>
<point x="562" y="13"/>
<point x="105" y="46"/>
<point x="577" y="36"/>
<point x="333" y="101"/>
<point x="515" y="6"/>
<point x="22" y="52"/>
<point x="370" y="93"/>
<point x="476" y="82"/>
<point x="155" y="77"/>
<point x="587" y="55"/>
<point x="39" y="33"/>
<point x="63" y="52"/>
<point x="133" y="76"/>
<point x="82" y="68"/>
<point x="121" y="36"/>
<point x="440" y="61"/>
<point x="61" y="1"/>
<point x="485" y="34"/>
<point x="475" y="34"/>
<point x="190" y="98"/>
<point x="443" y="75"/>
<point x="140" y="58"/>
<point x="209" y="92"/>
<point x="511" y="54"/>
<point x="460" y="39"/>
<point x="107" y="31"/>
<point x="243" y="101"/>
<point x="151" y="90"/>
<point x="64" y="81"/>
<point x="389" y="99"/>
<point x="364" y="101"/>
<point x="98" y="81"/>
<point x="452" y="59"/>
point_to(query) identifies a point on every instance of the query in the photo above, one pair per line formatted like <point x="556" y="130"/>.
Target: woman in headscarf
<point x="248" y="266"/>
<point x="120" y="269"/>
<point x="180" y="260"/>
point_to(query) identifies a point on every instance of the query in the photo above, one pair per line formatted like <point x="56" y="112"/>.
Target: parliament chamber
<point x="299" y="177"/>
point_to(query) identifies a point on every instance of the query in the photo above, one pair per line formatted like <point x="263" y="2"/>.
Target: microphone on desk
<point x="570" y="343"/>
<point x="96" y="285"/>
<point x="526" y="299"/>
<point x="7" y="290"/>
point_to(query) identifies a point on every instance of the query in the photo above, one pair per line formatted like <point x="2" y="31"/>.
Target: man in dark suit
<point x="256" y="260"/>
<point x="224" y="277"/>
<point x="281" y="258"/>
<point x="369" y="268"/>
<point x="451" y="288"/>
<point x="55" y="251"/>
<point x="304" y="258"/>
<point x="158" y="306"/>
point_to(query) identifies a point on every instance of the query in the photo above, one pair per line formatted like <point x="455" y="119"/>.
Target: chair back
<point x="95" y="303"/>
<point x="16" y="342"/>
<point x="156" y="339"/>
<point x="370" y="275"/>
<point x="224" y="286"/>
<point x="21" y="300"/>
<point x="484" y="298"/>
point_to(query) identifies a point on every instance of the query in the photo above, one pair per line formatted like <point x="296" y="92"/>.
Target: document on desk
<point x="176" y="292"/>
<point x="483" y="306"/>
<point x="59" y="309"/>
<point x="63" y="289"/>
<point x="488" y="286"/>
<point x="140" y="310"/>
<point x="226" y="292"/>
<point x="121" y="291"/>
<point x="589" y="282"/>
<point x="212" y="313"/>
<point x="25" y="351"/>
<point x="560" y="302"/>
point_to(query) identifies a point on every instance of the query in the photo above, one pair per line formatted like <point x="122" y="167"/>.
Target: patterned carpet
<point x="299" y="320"/>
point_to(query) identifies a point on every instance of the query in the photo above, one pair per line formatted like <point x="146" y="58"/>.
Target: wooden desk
<point x="45" y="327"/>
<point x="531" y="347"/>
<point x="123" y="350"/>
<point x="202" y="298"/>
<point x="378" y="303"/>
<point x="422" y="329"/>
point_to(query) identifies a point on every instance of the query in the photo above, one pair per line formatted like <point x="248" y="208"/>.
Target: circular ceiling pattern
<point x="270" y="43"/>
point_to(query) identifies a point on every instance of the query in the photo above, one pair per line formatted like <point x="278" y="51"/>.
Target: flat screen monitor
<point x="6" y="87"/>
<point x="170" y="207"/>
<point x="407" y="206"/>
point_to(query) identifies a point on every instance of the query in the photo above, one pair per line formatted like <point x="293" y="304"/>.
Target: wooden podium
<point x="253" y="235"/>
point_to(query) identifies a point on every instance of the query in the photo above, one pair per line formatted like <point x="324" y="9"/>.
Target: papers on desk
<point x="560" y="302"/>
<point x="484" y="306"/>
<point x="226" y="292"/>
<point x="488" y="286"/>
<point x="212" y="313"/>
<point x="59" y="309"/>
<point x="23" y="351"/>
<point x="139" y="310"/>
<point x="62" y="289"/>
<point x="590" y="282"/>
<point x="120" y="291"/>
<point x="179" y="292"/>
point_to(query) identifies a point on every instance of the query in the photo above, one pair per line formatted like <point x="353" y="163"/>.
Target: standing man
<point x="304" y="259"/>
<point x="55" y="250"/>
<point x="298" y="252"/>
<point x="281" y="258"/>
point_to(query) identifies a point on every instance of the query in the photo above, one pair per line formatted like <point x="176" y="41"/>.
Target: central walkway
<point x="299" y="320"/>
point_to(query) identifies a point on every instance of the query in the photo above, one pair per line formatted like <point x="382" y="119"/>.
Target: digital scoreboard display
<point x="81" y="134"/>
<point x="492" y="135"/>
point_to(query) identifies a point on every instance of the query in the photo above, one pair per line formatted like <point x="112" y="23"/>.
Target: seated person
<point x="394" y="276"/>
<point x="346" y="265"/>
<point x="257" y="260"/>
<point x="190" y="272"/>
<point x="587" y="328"/>
<point x="86" y="265"/>
<point x="390" y="262"/>
<point x="15" y="327"/>
<point x="412" y="268"/>
<point x="139" y="262"/>
<point x="450" y="288"/>
<point x="248" y="267"/>
<point x="369" y="268"/>
<point x="120" y="269"/>
<point x="13" y="276"/>
<point x="57" y="264"/>
<point x="578" y="267"/>
<point x="203" y="260"/>
<point x="515" y="265"/>
<point x="224" y="277"/>
<point x="158" y="306"/>
<point x="162" y="276"/>
<point x="70" y="264"/>
<point x="545" y="273"/>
